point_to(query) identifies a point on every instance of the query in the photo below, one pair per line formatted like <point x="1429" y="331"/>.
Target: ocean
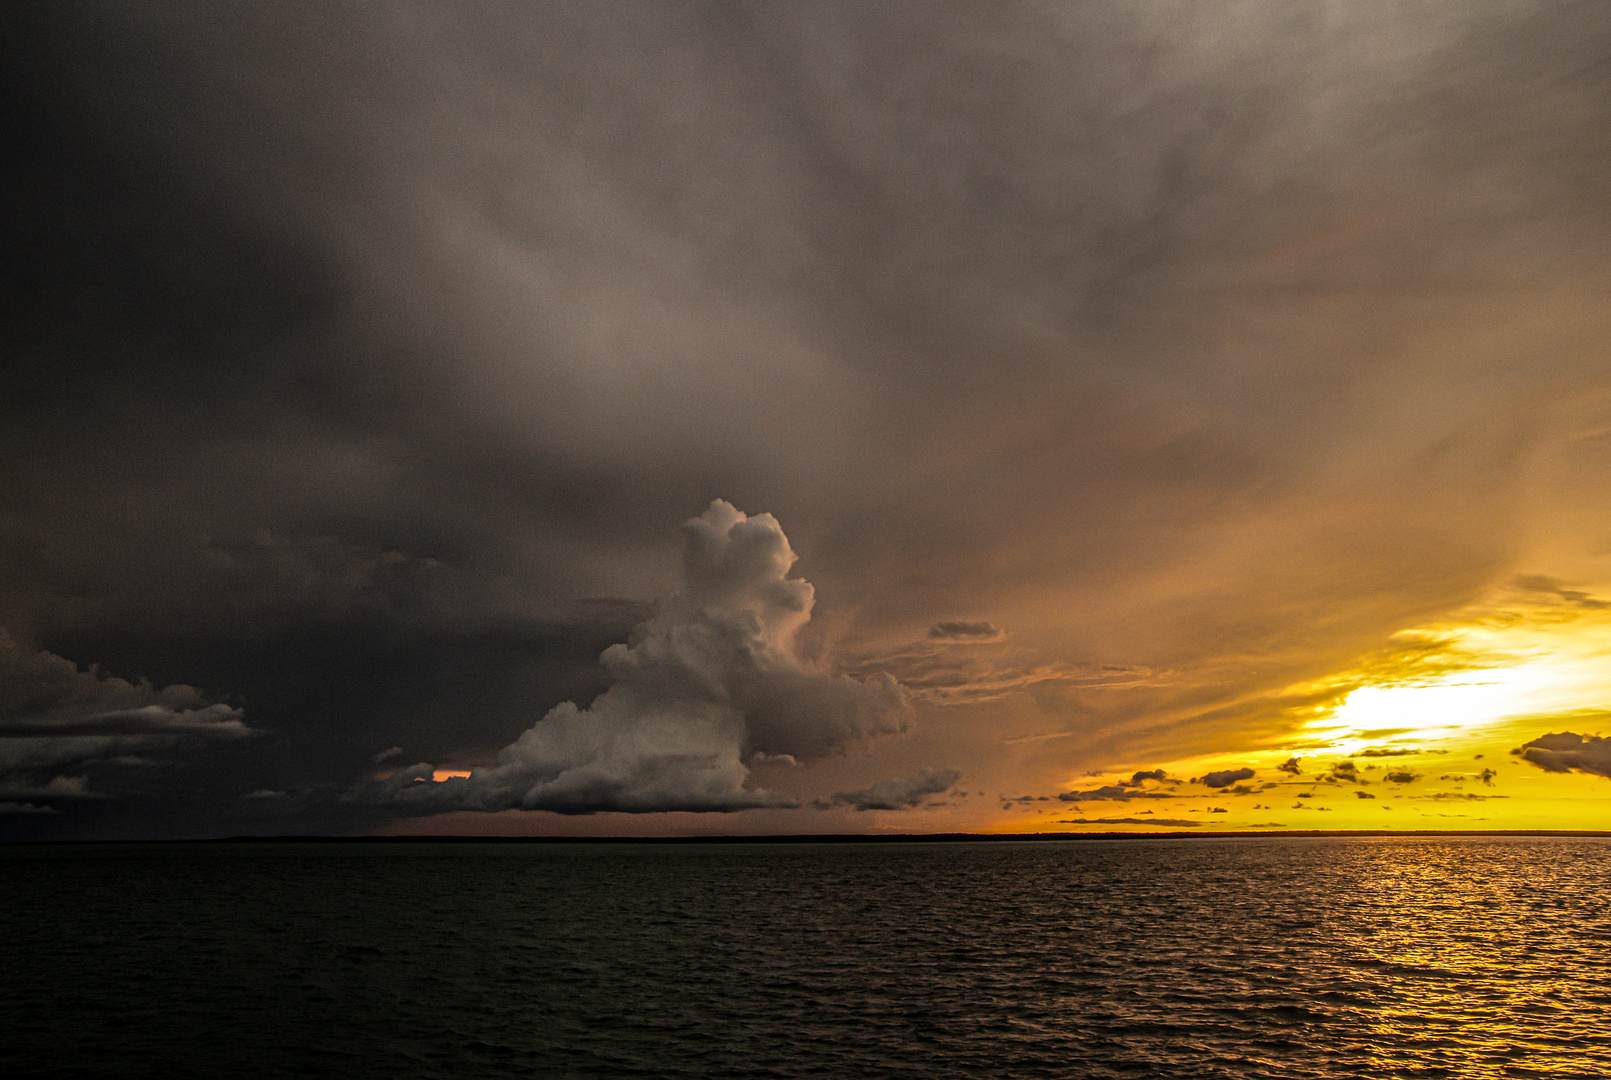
<point x="1249" y="957"/>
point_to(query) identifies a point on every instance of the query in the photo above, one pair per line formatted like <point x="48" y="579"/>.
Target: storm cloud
<point x="707" y="683"/>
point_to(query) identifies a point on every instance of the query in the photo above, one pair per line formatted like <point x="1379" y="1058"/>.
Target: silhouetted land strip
<point x="836" y="838"/>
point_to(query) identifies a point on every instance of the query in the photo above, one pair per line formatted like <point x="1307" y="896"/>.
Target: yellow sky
<point x="1420" y="723"/>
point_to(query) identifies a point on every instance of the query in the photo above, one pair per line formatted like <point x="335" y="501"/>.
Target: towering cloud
<point x="710" y="681"/>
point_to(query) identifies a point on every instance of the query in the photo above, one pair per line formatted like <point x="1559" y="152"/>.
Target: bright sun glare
<point x="1453" y="703"/>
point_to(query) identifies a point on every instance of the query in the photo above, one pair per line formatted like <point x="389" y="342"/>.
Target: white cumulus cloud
<point x="707" y="685"/>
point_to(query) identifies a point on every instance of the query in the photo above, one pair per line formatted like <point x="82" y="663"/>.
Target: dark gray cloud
<point x="1567" y="751"/>
<point x="1542" y="583"/>
<point x="706" y="683"/>
<point x="896" y="793"/>
<point x="57" y="720"/>
<point x="1125" y="790"/>
<point x="1346" y="771"/>
<point x="1226" y="777"/>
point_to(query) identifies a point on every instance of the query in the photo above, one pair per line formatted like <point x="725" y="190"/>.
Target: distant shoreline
<point x="826" y="838"/>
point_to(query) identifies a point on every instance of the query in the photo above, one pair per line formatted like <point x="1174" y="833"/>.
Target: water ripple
<point x="1266" y="957"/>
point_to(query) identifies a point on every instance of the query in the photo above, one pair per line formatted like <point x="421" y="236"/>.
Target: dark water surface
<point x="1363" y="957"/>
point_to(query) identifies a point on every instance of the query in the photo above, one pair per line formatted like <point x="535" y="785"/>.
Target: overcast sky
<point x="1131" y="383"/>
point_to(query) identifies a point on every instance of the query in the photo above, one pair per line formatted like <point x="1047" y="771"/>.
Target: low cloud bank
<point x="708" y="684"/>
<point x="896" y="793"/>
<point x="1568" y="752"/>
<point x="56" y="719"/>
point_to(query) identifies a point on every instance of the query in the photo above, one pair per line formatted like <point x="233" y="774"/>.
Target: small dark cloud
<point x="1346" y="771"/>
<point x="965" y="631"/>
<point x="1363" y="795"/>
<point x="1218" y="810"/>
<point x="1290" y="766"/>
<point x="1227" y="777"/>
<point x="1125" y="790"/>
<point x="1486" y="776"/>
<point x="1403" y="776"/>
<point x="1568" y="752"/>
<point x="1542" y="583"/>
<point x="1386" y="751"/>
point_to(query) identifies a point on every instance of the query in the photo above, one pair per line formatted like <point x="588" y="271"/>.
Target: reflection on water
<point x="1257" y="957"/>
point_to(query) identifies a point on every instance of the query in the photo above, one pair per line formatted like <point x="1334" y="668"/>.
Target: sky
<point x="652" y="419"/>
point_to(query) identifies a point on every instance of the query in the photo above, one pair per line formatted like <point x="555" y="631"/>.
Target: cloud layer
<point x="56" y="719"/>
<point x="711" y="680"/>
